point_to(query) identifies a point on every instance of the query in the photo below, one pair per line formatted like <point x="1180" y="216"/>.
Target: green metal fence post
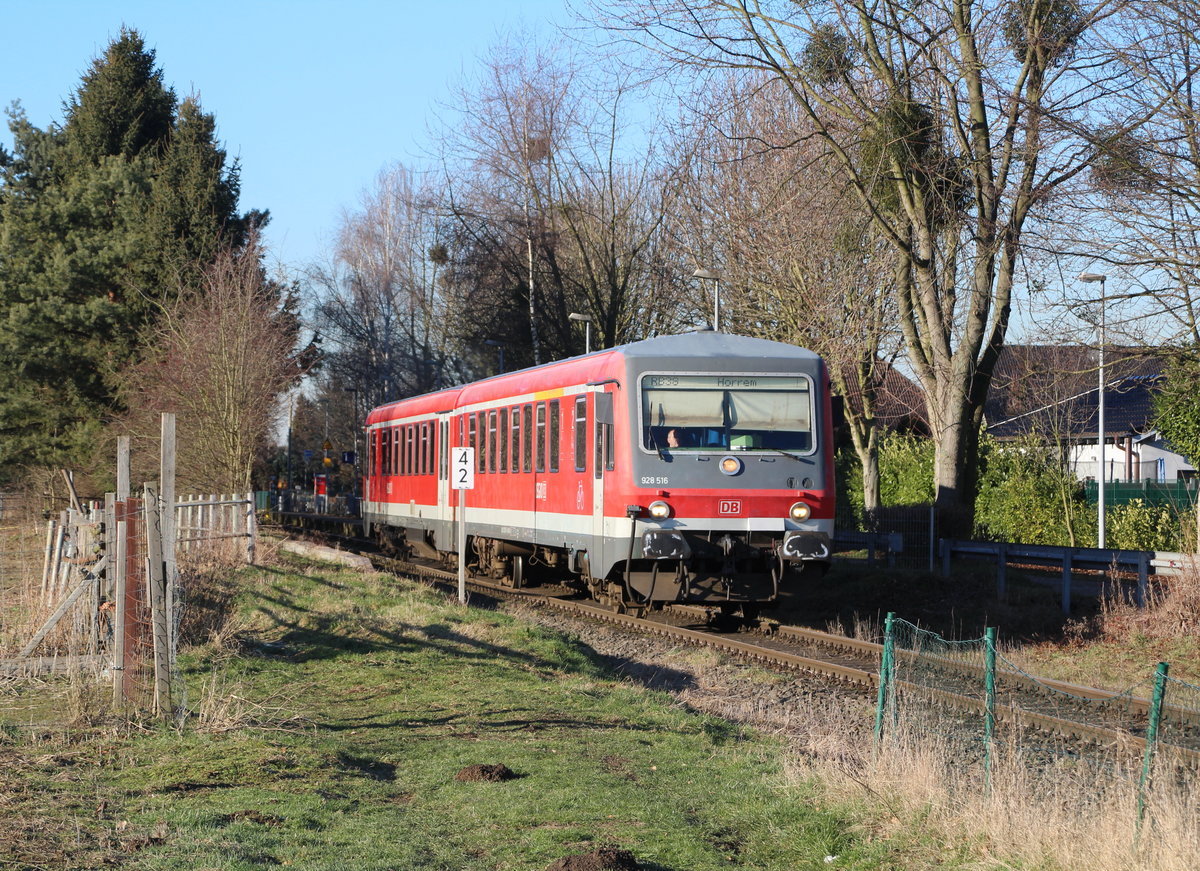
<point x="989" y="702"/>
<point x="885" y="675"/>
<point x="1156" y="704"/>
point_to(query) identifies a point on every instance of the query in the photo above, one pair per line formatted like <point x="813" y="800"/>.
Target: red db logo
<point x="729" y="506"/>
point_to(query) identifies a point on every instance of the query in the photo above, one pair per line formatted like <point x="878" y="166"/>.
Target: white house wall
<point x="1146" y="456"/>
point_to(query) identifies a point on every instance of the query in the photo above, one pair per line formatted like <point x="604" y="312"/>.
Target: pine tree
<point x="99" y="220"/>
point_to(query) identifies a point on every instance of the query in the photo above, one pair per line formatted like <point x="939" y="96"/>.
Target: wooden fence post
<point x="158" y="604"/>
<point x="251" y="529"/>
<point x="46" y="565"/>
<point x="122" y="552"/>
<point x="169" y="535"/>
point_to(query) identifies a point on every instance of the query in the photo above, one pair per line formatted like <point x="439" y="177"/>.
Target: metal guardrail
<point x="874" y="543"/>
<point x="1003" y="553"/>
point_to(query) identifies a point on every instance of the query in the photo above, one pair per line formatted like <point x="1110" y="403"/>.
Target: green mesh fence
<point x="980" y="706"/>
<point x="925" y="671"/>
<point x="1180" y="723"/>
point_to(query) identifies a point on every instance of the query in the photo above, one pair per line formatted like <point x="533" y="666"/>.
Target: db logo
<point x="729" y="506"/>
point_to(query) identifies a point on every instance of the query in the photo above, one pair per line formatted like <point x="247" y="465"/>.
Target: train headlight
<point x="731" y="465"/>
<point x="659" y="510"/>
<point x="800" y="512"/>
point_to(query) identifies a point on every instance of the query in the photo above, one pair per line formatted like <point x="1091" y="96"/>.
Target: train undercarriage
<point x="732" y="573"/>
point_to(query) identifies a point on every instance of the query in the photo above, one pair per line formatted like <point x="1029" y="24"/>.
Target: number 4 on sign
<point x="463" y="474"/>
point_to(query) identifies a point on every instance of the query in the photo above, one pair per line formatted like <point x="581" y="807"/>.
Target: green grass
<point x="350" y="704"/>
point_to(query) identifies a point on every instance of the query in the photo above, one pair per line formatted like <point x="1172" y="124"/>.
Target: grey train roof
<point x="706" y="343"/>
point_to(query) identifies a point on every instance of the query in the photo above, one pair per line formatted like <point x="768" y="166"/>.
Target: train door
<point x="445" y="512"/>
<point x="541" y="481"/>
<point x="602" y="462"/>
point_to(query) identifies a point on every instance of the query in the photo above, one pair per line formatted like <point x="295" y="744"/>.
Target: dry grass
<point x="1043" y="811"/>
<point x="1172" y="612"/>
<point x="224" y="706"/>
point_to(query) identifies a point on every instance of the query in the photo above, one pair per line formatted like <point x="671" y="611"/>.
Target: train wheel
<point x="516" y="571"/>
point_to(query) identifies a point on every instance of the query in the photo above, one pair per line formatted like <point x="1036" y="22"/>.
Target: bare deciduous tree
<point x="799" y="258"/>
<point x="222" y="355"/>
<point x="954" y="121"/>
<point x="544" y="214"/>
<point x="379" y="304"/>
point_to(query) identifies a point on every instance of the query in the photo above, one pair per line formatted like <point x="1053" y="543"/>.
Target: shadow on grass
<point x="474" y="722"/>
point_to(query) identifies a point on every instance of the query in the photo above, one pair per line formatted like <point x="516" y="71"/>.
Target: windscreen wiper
<point x="786" y="454"/>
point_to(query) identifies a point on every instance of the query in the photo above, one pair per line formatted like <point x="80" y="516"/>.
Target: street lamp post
<point x="587" y="329"/>
<point x="709" y="275"/>
<point x="1090" y="278"/>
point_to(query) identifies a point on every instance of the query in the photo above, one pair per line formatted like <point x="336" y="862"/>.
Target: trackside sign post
<point x="462" y="479"/>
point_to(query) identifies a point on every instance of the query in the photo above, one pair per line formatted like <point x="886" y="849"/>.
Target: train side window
<point x="503" y="435"/>
<point x="604" y="435"/>
<point x="541" y="436"/>
<point x="471" y="443"/>
<point x="491" y="461"/>
<point x="482" y="455"/>
<point x="581" y="434"/>
<point x="598" y="467"/>
<point x="442" y="452"/>
<point x="406" y="461"/>
<point x="552" y="408"/>
<point x="385" y="437"/>
<point x="528" y="458"/>
<point x="425" y="464"/>
<point x="516" y="439"/>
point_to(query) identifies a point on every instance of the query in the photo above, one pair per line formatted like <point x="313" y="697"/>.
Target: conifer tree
<point x="100" y="218"/>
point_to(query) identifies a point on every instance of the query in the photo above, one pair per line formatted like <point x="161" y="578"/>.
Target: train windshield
<point x="727" y="413"/>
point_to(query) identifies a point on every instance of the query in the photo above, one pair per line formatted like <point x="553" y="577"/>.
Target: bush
<point x="905" y="470"/>
<point x="1138" y="526"/>
<point x="1026" y="495"/>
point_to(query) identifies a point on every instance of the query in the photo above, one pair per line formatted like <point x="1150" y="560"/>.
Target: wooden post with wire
<point x="156" y="581"/>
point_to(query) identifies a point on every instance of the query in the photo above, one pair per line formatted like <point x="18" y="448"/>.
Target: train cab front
<point x="734" y="488"/>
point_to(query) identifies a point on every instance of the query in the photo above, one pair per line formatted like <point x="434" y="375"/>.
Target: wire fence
<point x="985" y="712"/>
<point x="92" y="600"/>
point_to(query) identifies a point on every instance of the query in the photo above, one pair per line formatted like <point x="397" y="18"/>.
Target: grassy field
<point x="332" y="714"/>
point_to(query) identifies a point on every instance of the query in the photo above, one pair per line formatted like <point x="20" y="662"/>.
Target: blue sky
<point x="314" y="98"/>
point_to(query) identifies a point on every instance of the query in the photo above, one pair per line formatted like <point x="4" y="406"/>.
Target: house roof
<point x="899" y="401"/>
<point x="1053" y="389"/>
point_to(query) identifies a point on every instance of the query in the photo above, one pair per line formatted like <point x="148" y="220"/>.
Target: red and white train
<point x="692" y="468"/>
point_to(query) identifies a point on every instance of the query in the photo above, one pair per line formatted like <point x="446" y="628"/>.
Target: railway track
<point x="1042" y="704"/>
